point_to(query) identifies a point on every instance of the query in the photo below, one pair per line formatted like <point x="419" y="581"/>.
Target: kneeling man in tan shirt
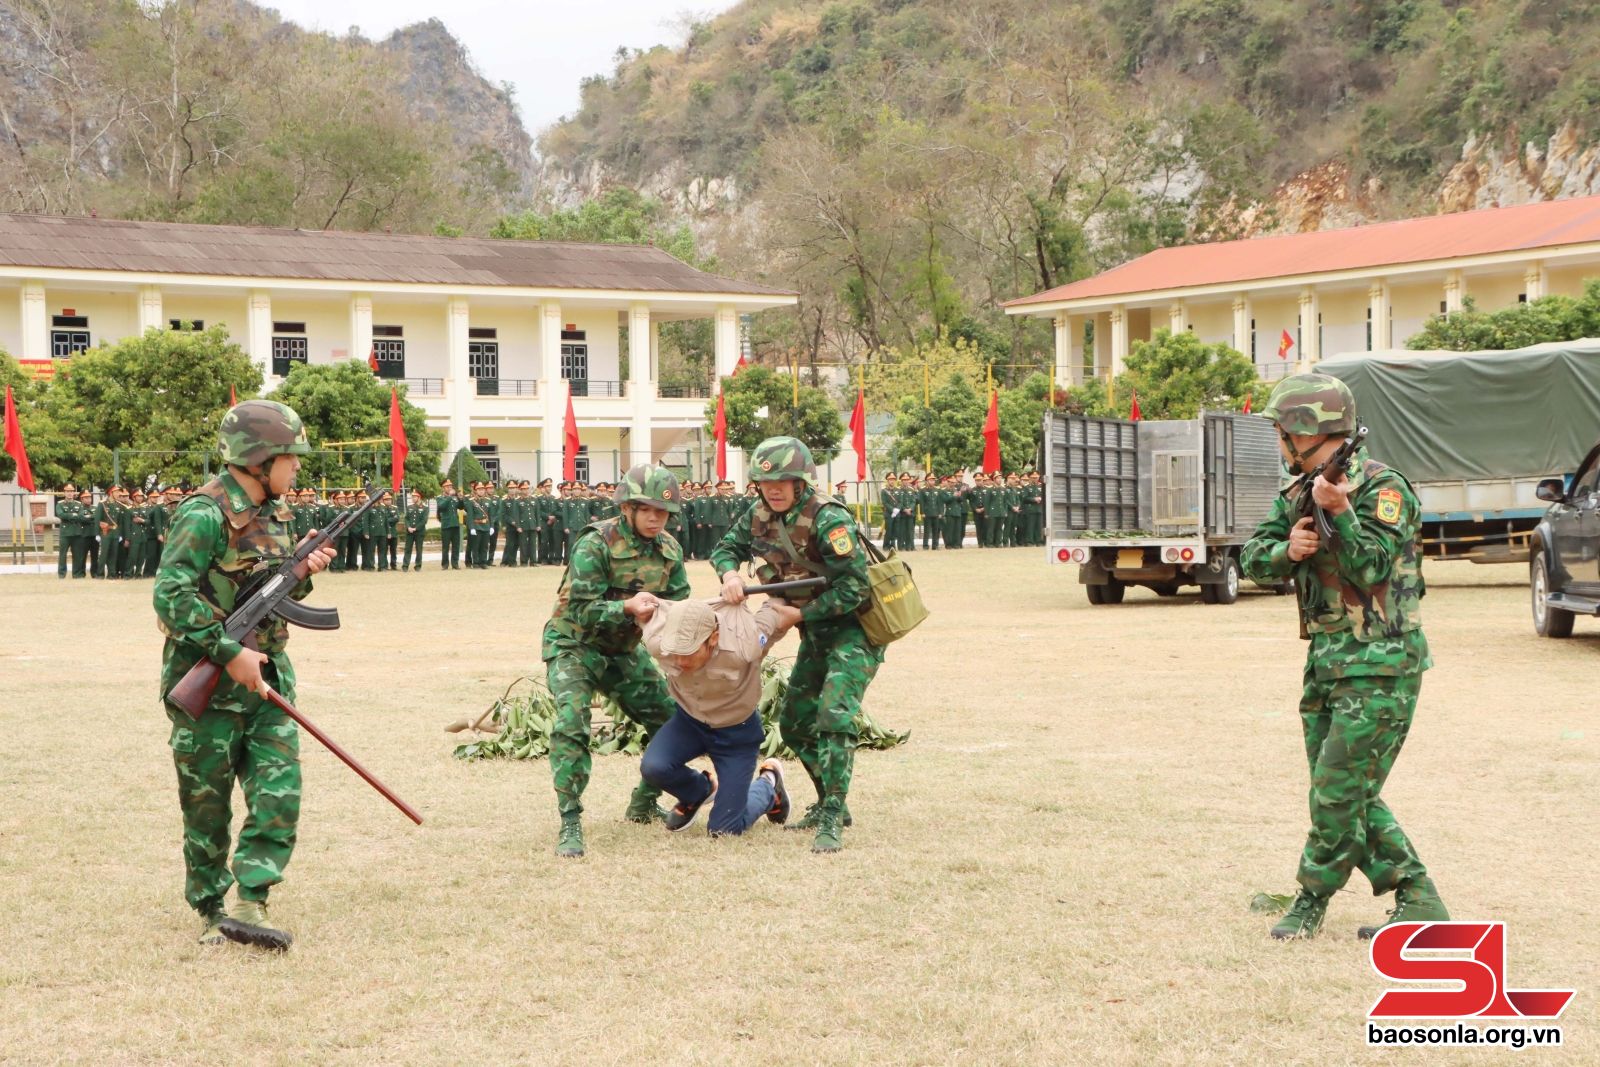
<point x="711" y="653"/>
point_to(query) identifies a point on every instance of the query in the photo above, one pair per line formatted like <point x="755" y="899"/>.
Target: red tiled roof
<point x="1468" y="233"/>
<point x="267" y="252"/>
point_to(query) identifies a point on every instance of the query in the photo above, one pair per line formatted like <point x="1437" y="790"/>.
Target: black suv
<point x="1564" y="566"/>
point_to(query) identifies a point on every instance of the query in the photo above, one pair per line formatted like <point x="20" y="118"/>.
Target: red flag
<point x="233" y="398"/>
<point x="1247" y="400"/>
<point x="569" y="443"/>
<point x="991" y="435"/>
<point x="1134" y="413"/>
<point x="14" y="446"/>
<point x="858" y="434"/>
<point x="372" y="359"/>
<point x="1284" y="344"/>
<point x="741" y="365"/>
<point x="720" y="429"/>
<point x="399" y="448"/>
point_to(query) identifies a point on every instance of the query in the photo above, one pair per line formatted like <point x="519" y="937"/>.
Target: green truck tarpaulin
<point x="1454" y="416"/>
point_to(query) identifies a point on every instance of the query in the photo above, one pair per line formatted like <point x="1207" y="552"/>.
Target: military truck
<point x="1475" y="432"/>
<point x="1161" y="503"/>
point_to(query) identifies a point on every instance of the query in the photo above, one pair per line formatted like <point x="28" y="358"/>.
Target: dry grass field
<point x="1055" y="869"/>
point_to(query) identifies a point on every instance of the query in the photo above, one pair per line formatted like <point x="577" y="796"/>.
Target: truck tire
<point x="1095" y="593"/>
<point x="1227" y="590"/>
<point x="1547" y="621"/>
<point x="1113" y="591"/>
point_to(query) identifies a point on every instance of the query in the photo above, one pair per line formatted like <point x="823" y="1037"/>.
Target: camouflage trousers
<point x="832" y="670"/>
<point x="574" y="676"/>
<point x="1354" y="728"/>
<point x="261" y="749"/>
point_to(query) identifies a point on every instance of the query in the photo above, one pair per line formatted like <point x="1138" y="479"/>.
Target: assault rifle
<point x="783" y="587"/>
<point x="266" y="597"/>
<point x="1333" y="468"/>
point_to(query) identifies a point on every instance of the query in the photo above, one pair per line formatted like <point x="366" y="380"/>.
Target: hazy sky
<point x="543" y="47"/>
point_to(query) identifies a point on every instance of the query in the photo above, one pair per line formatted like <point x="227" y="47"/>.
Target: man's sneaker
<point x="570" y="841"/>
<point x="779" y="812"/>
<point x="683" y="814"/>
<point x="211" y="917"/>
<point x="642" y="806"/>
<point x="808" y="821"/>
<point x="1304" y="918"/>
<point x="829" y="831"/>
<point x="249" y="925"/>
<point x="1415" y="900"/>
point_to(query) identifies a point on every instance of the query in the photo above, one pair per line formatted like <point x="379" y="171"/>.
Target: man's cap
<point x="688" y="624"/>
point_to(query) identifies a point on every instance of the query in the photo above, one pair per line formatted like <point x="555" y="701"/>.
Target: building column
<point x="1119" y="340"/>
<point x="1534" y="282"/>
<point x="551" y="387"/>
<point x="35" y="322"/>
<point x="1241" y="326"/>
<point x="150" y="316"/>
<point x="1178" y="317"/>
<point x="641" y="384"/>
<point x="726" y="340"/>
<point x="1454" y="289"/>
<point x="1378" y="308"/>
<point x="1065" y="374"/>
<point x="1310" y="333"/>
<point x="361" y="326"/>
<point x="258" y="330"/>
<point x="655" y="351"/>
<point x="459" y="386"/>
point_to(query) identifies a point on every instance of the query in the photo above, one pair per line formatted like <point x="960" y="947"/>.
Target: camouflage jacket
<point x="609" y="562"/>
<point x="1361" y="605"/>
<point x="822" y="532"/>
<point x="219" y="542"/>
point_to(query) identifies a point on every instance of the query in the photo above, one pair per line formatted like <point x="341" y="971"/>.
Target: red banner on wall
<point x="40" y="370"/>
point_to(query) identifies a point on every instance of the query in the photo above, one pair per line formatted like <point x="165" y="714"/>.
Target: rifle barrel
<point x="349" y="761"/>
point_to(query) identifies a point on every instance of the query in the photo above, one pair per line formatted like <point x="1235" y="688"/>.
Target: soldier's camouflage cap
<point x="254" y="431"/>
<point x="655" y="486"/>
<point x="778" y="458"/>
<point x="1312" y="404"/>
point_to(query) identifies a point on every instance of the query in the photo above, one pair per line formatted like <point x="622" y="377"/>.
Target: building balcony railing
<point x="684" y="391"/>
<point x="424" y="386"/>
<point x="507" y="386"/>
<point x="595" y="387"/>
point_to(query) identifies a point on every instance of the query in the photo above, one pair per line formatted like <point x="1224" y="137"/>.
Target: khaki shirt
<point x="727" y="690"/>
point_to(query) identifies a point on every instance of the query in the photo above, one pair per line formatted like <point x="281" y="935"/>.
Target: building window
<point x="391" y="357"/>
<point x="1252" y="340"/>
<point x="483" y="359"/>
<point x="388" y="331"/>
<point x="187" y="324"/>
<point x="481" y="333"/>
<point x="580" y="464"/>
<point x="1522" y="298"/>
<point x="286" y="352"/>
<point x="573" y="335"/>
<point x="288" y="327"/>
<point x="575" y="367"/>
<point x="69" y="336"/>
<point x="489" y="457"/>
<point x="1320" y="352"/>
<point x="1443" y="308"/>
<point x="1369" y="328"/>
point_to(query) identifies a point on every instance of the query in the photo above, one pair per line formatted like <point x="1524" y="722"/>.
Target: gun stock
<point x="195" y="689"/>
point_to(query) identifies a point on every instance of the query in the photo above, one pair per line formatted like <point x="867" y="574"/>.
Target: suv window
<point x="1586" y="485"/>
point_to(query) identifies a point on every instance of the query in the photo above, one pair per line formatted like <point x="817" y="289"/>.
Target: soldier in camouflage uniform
<point x="220" y="535"/>
<point x="794" y="532"/>
<point x="618" y="571"/>
<point x="1359" y="606"/>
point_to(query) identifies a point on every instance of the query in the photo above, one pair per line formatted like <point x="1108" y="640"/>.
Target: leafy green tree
<point x="51" y="454"/>
<point x="1549" y="318"/>
<point x="949" y="428"/>
<point x="344" y="401"/>
<point x="1177" y="374"/>
<point x="815" y="421"/>
<point x="464" y="469"/>
<point x="147" y="407"/>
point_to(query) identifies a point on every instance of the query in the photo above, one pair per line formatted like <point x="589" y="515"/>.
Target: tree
<point x="464" y="469"/>
<point x="894" y="375"/>
<point x="1549" y="318"/>
<point x="1176" y="375"/>
<point x="51" y="454"/>
<point x="147" y="407"/>
<point x="344" y="401"/>
<point x="816" y="421"/>
<point x="949" y="428"/>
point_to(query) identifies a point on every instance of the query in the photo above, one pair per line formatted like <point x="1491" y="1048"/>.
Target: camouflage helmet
<point x="256" y="430"/>
<point x="655" y="486"/>
<point x="1312" y="404"/>
<point x="778" y="458"/>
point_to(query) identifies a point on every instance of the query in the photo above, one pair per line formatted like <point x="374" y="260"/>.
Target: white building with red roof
<point x="1333" y="291"/>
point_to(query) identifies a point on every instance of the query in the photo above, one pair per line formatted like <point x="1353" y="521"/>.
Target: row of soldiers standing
<point x="708" y="512"/>
<point x="535" y="526"/>
<point x="119" y="537"/>
<point x="1004" y="512"/>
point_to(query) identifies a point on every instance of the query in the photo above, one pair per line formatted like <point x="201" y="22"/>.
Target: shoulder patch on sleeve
<point x="1390" y="504"/>
<point x="840" y="541"/>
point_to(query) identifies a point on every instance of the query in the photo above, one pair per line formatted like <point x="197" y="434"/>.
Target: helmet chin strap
<point x="1299" y="456"/>
<point x="262" y="478"/>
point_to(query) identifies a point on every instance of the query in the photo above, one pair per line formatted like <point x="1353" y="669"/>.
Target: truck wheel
<point x="1284" y="588"/>
<point x="1113" y="591"/>
<point x="1096" y="593"/>
<point x="1227" y="590"/>
<point x="1547" y="621"/>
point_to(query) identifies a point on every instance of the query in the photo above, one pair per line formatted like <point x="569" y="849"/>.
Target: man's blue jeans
<point x="734" y="752"/>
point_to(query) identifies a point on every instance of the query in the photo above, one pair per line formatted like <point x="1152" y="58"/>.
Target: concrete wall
<point x="1344" y="321"/>
<point x="1212" y="322"/>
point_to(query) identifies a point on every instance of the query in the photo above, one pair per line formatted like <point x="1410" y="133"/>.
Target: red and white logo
<point x="1482" y="993"/>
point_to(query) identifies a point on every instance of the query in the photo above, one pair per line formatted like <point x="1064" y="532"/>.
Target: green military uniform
<point x="592" y="645"/>
<point x="932" y="500"/>
<point x="72" y="520"/>
<point x="392" y="520"/>
<point x="1033" y="512"/>
<point x="217" y="539"/>
<point x="835" y="662"/>
<point x="415" y="522"/>
<point x="448" y="507"/>
<point x="497" y="507"/>
<point x="155" y="534"/>
<point x="344" y="545"/>
<point x="1360" y="606"/>
<point x="511" y="522"/>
